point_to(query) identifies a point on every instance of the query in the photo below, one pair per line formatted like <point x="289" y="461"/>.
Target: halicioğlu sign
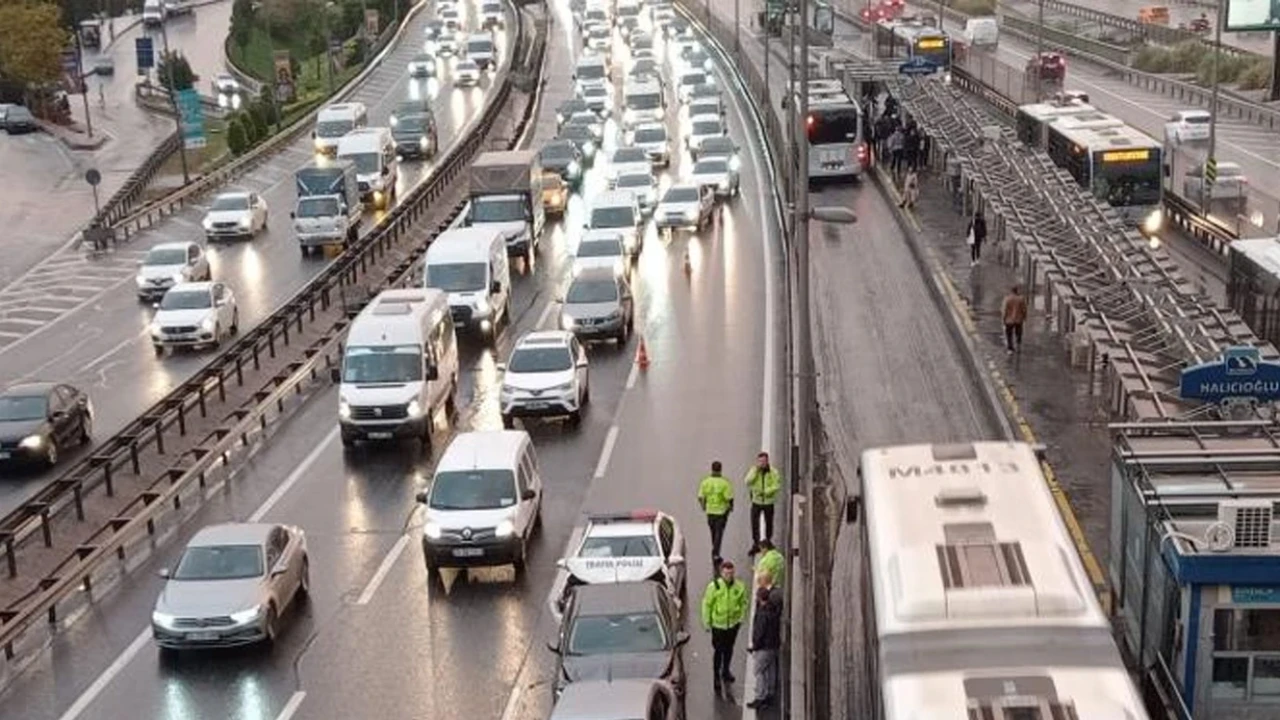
<point x="1240" y="374"/>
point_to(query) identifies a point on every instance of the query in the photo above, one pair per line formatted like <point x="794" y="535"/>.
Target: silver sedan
<point x="231" y="585"/>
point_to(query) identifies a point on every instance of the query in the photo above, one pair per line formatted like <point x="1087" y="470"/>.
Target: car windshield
<point x="595" y="91"/>
<point x="317" y="207"/>
<point x="457" y="277"/>
<point x="591" y="71"/>
<point x="592" y="291"/>
<point x="681" y="195"/>
<point x="718" y="145"/>
<point x="577" y="133"/>
<point x="619" y="547"/>
<point x="540" y="360"/>
<point x="651" y="135"/>
<point x="411" y="124"/>
<point x="423" y="59"/>
<point x="487" y="210"/>
<point x="366" y="163"/>
<point x="571" y="107"/>
<point x="599" y="248"/>
<point x="473" y="490"/>
<point x="585" y="119"/>
<point x="621" y="633"/>
<point x="600" y="33"/>
<point x="613" y="217"/>
<point x="382" y="364"/>
<point x="480" y="46"/>
<point x="334" y="128"/>
<point x="220" y="562"/>
<point x="691" y="79"/>
<point x="706" y="127"/>
<point x="230" y="202"/>
<point x="644" y="67"/>
<point x="634" y="180"/>
<point x="557" y="151"/>
<point x="186" y="300"/>
<point x="710" y="167"/>
<point x="166" y="256"/>
<point x="22" y="407"/>
<point x="630" y="155"/>
<point x="1196" y="119"/>
<point x="468" y="65"/>
<point x="645" y="101"/>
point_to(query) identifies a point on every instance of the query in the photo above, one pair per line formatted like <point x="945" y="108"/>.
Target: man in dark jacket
<point x="766" y="639"/>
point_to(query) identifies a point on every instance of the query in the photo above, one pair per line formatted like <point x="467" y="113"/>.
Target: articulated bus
<point x="835" y="128"/>
<point x="1119" y="165"/>
<point x="1253" y="285"/>
<point x="978" y="604"/>
<point x="912" y="39"/>
<point x="1032" y="121"/>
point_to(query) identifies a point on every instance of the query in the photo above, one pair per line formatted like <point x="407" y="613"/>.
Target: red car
<point x="1050" y="66"/>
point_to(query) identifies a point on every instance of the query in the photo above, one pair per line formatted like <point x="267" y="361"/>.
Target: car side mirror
<point x="335" y="374"/>
<point x="500" y="367"/>
<point x="164" y="573"/>
<point x="554" y="647"/>
<point x="562" y="563"/>
<point x="293" y="215"/>
<point x="560" y="299"/>
<point x="433" y="373"/>
<point x="421" y="497"/>
<point x="57" y="414"/>
<point x="675" y="560"/>
<point x="682" y="637"/>
<point x="582" y="364"/>
<point x="495" y="287"/>
<point x="386" y="170"/>
<point x="529" y="494"/>
<point x="852" y="508"/>
<point x="278" y="570"/>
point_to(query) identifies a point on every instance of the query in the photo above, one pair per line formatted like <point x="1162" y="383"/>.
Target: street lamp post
<point x="82" y="85"/>
<point x="1039" y="50"/>
<point x="1206" y="182"/>
<point x="173" y="100"/>
<point x="325" y="9"/>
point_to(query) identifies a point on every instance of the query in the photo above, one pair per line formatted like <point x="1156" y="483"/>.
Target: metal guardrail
<point x="191" y="466"/>
<point x="1061" y="39"/>
<point x="1154" y="34"/>
<point x="156" y="99"/>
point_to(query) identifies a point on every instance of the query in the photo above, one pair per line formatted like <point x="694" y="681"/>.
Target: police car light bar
<point x="632" y="516"/>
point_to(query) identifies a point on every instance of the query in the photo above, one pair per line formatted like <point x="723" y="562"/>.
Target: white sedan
<point x="422" y="66"/>
<point x="685" y="206"/>
<point x="716" y="174"/>
<point x="627" y="160"/>
<point x="191" y="314"/>
<point x="466" y="73"/>
<point x="642" y="186"/>
<point x="601" y="249"/>
<point x="235" y="215"/>
<point x="702" y="127"/>
<point x="628" y="547"/>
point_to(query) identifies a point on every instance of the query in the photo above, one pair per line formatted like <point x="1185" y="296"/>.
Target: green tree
<point x="243" y="18"/>
<point x="183" y="76"/>
<point x="253" y="120"/>
<point x="236" y="140"/>
<point x="267" y="101"/>
<point x="31" y="42"/>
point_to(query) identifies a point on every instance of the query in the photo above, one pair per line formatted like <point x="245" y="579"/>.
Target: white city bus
<point x="835" y="128"/>
<point x="1118" y="164"/>
<point x="1032" y="121"/>
<point x="978" y="604"/>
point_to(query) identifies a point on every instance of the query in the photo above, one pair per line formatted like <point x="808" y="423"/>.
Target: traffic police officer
<point x="724" y="607"/>
<point x="764" y="482"/>
<point x="715" y="495"/>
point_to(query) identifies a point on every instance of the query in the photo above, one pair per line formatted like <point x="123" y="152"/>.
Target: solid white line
<point x="95" y="689"/>
<point x="291" y="707"/>
<point x="633" y="375"/>
<point x="294" y="477"/>
<point x="546" y="315"/>
<point x="606" y="452"/>
<point x="510" y="710"/>
<point x="388" y="562"/>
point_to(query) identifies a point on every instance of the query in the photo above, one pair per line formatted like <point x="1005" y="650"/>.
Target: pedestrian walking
<point x="764" y="482"/>
<point x="770" y="563"/>
<point x="896" y="139"/>
<point x="715" y="496"/>
<point x="911" y="146"/>
<point x="910" y="190"/>
<point x="766" y="640"/>
<point x="977" y="235"/>
<point x="1014" y="312"/>
<point x="724" y="607"/>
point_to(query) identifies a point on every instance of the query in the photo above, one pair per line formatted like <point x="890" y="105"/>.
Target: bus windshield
<point x="829" y="127"/>
<point x="1122" y="182"/>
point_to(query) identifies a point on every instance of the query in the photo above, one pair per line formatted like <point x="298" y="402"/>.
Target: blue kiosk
<point x="1195" y="547"/>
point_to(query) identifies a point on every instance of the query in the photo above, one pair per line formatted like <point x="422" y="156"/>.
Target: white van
<point x="373" y="152"/>
<point x="153" y="13"/>
<point x="981" y="32"/>
<point x="400" y="367"/>
<point x="618" y="210"/>
<point x="589" y="71"/>
<point x="471" y="265"/>
<point x="334" y="121"/>
<point x="484" y="502"/>
<point x="643" y="102"/>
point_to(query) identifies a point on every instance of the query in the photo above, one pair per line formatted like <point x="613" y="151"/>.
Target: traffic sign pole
<point x="173" y="100"/>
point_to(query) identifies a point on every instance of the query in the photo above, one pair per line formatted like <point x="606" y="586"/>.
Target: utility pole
<point x="173" y="100"/>
<point x="81" y="84"/>
<point x="1209" y="173"/>
<point x="737" y="30"/>
<point x="325" y="8"/>
<point x="1039" y="51"/>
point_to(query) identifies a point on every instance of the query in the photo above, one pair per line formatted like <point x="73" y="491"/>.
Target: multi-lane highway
<point x="78" y="320"/>
<point x="1179" y="14"/>
<point x="38" y="171"/>
<point x="378" y="640"/>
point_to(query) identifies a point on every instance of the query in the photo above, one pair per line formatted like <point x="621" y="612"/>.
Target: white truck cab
<point x="399" y="368"/>
<point x="471" y="265"/>
<point x="334" y="121"/>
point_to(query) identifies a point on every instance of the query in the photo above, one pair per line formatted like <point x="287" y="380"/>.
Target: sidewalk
<point x="1048" y="400"/>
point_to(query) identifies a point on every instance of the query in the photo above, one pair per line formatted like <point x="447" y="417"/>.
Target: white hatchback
<point x="545" y="376"/>
<point x="601" y="249"/>
<point x="1190" y="125"/>
<point x="199" y="313"/>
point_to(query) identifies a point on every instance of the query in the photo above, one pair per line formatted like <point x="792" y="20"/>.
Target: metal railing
<point x="81" y="554"/>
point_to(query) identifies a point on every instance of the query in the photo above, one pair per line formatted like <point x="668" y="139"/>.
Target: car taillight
<point x="861" y="152"/>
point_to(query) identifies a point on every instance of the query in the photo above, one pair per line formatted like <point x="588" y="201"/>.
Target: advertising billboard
<point x="1252" y="15"/>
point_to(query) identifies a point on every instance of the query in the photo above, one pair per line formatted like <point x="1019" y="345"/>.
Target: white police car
<point x="627" y="547"/>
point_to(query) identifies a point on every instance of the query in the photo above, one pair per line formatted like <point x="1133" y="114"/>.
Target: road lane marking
<point x="606" y="452"/>
<point x="546" y="315"/>
<point x="117" y="666"/>
<point x="633" y="375"/>
<point x="294" y="477"/>
<point x="509" y="711"/>
<point x="291" y="707"/>
<point x="380" y="575"/>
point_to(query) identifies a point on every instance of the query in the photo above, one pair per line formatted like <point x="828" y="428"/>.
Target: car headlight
<point x="154" y="328"/>
<point x="559" y="118"/>
<point x="423" y="142"/>
<point x="414" y="408"/>
<point x="319" y="144"/>
<point x="207" y="324"/>
<point x="32" y="442"/>
<point x="139" y="281"/>
<point x="344" y="410"/>
<point x="164" y="620"/>
<point x="394" y="121"/>
<point x="245" y="616"/>
<point x="629" y="115"/>
<point x="178" y="277"/>
<point x="724" y="184"/>
<point x="207" y="224"/>
<point x="562" y="389"/>
<point x="243" y="223"/>
<point x="432" y="530"/>
<point x="661" y="113"/>
<point x="505" y="529"/>
<point x="574" y="169"/>
<point x="588" y="148"/>
<point x="567" y="322"/>
<point x="482" y="306"/>
<point x="735" y="163"/>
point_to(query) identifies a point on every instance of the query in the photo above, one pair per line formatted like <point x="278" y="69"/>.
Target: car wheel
<point x="159" y="350"/>
<point x="305" y="250"/>
<point x="575" y="417"/>
<point x="508" y="422"/>
<point x="86" y="429"/>
<point x="348" y="442"/>
<point x="51" y="455"/>
<point x="586" y="396"/>
<point x="217" y="336"/>
<point x="520" y="561"/>
<point x="269" y="626"/>
<point x="451" y="402"/>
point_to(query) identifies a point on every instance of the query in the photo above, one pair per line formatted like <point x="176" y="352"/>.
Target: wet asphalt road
<point x="46" y="199"/>
<point x="475" y="649"/>
<point x="79" y="321"/>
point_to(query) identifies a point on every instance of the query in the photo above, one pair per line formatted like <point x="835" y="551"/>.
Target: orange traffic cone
<point x="642" y="355"/>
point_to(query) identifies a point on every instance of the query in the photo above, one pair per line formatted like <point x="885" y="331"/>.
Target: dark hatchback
<point x="38" y="419"/>
<point x="415" y="136"/>
<point x="16" y="119"/>
<point x="620" y="631"/>
<point x="563" y="158"/>
<point x="583" y="139"/>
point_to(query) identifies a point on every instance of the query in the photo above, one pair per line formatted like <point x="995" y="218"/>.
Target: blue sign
<point x="918" y="66"/>
<point x="191" y="108"/>
<point x="146" y="54"/>
<point x="1255" y="594"/>
<point x="1241" y="373"/>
